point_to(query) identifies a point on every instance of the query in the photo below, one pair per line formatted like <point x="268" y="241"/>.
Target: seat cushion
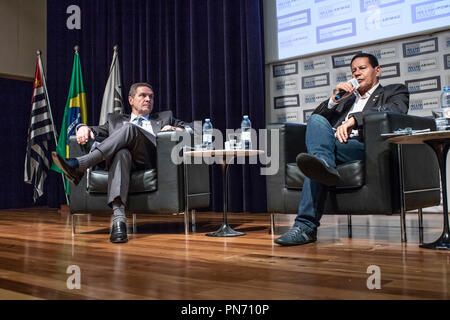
<point x="141" y="181"/>
<point x="352" y="176"/>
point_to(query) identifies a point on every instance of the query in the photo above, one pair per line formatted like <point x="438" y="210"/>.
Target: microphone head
<point x="354" y="82"/>
<point x="341" y="92"/>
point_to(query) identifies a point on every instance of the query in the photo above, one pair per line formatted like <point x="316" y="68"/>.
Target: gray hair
<point x="134" y="87"/>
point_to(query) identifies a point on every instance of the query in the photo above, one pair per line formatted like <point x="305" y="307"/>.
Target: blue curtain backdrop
<point x="204" y="58"/>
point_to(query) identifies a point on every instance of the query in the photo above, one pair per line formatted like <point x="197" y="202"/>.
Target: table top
<point x="418" y="138"/>
<point x="221" y="152"/>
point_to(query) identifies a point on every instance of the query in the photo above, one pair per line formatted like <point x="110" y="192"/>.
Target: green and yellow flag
<point x="74" y="113"/>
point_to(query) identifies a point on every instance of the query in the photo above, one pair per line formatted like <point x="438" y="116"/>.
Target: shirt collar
<point x="368" y="93"/>
<point x="133" y="116"/>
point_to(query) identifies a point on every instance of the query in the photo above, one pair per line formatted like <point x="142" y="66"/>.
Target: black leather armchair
<point x="367" y="187"/>
<point x="160" y="190"/>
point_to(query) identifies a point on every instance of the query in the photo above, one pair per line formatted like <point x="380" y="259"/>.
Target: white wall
<point x="23" y="30"/>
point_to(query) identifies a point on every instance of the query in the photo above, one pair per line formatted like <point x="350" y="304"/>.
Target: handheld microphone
<point x="342" y="92"/>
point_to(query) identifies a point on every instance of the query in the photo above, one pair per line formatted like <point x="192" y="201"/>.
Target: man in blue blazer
<point x="334" y="136"/>
<point x="126" y="143"/>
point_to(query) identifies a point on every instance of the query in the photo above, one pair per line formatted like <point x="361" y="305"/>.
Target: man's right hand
<point x="83" y="135"/>
<point x="346" y="86"/>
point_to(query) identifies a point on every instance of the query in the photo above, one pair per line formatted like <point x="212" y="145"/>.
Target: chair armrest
<point x="170" y="174"/>
<point x="78" y="194"/>
<point x="389" y="122"/>
<point x="385" y="122"/>
<point x="78" y="150"/>
<point x="291" y="142"/>
<point x="419" y="163"/>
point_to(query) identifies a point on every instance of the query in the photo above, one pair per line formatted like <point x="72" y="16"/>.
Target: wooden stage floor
<point x="161" y="262"/>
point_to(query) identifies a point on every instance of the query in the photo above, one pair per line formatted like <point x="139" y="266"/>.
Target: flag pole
<point x="115" y="53"/>
<point x="51" y="115"/>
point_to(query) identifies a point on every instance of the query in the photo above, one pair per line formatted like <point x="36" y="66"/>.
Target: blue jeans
<point x="321" y="142"/>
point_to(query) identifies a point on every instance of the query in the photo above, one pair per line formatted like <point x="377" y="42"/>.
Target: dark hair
<point x="372" y="59"/>
<point x="134" y="87"/>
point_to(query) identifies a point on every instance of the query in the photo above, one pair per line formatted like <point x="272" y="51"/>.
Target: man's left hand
<point x="171" y="128"/>
<point x="343" y="131"/>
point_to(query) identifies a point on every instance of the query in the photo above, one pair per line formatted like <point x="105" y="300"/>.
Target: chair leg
<point x="419" y="211"/>
<point x="403" y="224"/>
<point x="186" y="221"/>
<point x="272" y="224"/>
<point x="349" y="225"/>
<point x="402" y="194"/>
<point x="134" y="223"/>
<point x="194" y="226"/>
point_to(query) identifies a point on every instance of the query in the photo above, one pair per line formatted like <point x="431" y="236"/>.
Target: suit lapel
<point x="346" y="105"/>
<point x="375" y="98"/>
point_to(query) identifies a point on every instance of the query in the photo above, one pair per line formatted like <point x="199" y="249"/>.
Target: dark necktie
<point x="139" y="121"/>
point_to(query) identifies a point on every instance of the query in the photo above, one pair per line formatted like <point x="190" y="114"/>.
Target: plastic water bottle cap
<point x="446" y="89"/>
<point x="207" y="120"/>
<point x="245" y="117"/>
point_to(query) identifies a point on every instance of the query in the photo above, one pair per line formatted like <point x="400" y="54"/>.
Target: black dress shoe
<point x="119" y="232"/>
<point x="316" y="169"/>
<point x="73" y="174"/>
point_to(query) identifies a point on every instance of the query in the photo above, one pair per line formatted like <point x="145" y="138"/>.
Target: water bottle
<point x="207" y="134"/>
<point x="246" y="136"/>
<point x="445" y="102"/>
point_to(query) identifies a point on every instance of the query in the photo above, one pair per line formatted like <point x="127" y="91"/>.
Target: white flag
<point x="112" y="97"/>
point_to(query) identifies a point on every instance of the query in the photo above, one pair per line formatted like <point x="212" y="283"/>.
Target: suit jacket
<point x="391" y="98"/>
<point x="115" y="121"/>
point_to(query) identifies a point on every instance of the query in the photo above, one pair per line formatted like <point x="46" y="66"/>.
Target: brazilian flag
<point x="74" y="113"/>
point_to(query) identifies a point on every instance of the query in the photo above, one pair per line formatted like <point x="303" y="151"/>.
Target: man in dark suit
<point x="126" y="143"/>
<point x="334" y="136"/>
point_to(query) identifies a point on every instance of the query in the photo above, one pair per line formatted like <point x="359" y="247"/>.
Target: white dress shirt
<point x="146" y="123"/>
